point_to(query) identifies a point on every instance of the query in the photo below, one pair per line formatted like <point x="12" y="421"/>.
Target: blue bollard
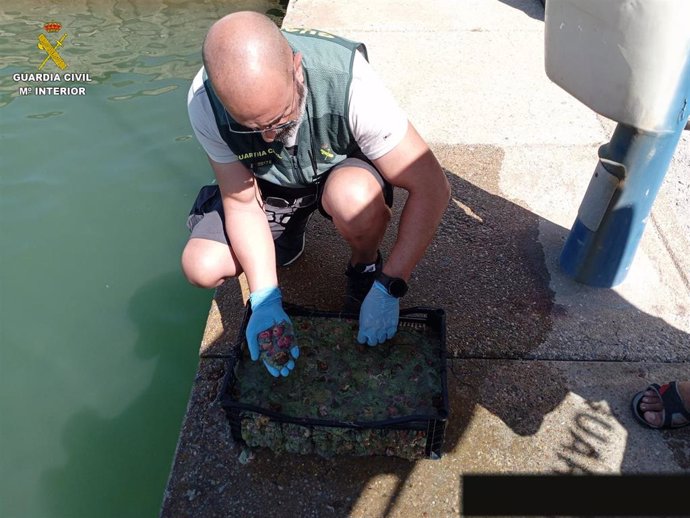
<point x="604" y="238"/>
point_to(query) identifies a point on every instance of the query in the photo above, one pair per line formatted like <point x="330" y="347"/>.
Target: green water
<point x="99" y="330"/>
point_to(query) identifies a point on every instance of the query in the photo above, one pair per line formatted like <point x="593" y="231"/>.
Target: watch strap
<point x="395" y="286"/>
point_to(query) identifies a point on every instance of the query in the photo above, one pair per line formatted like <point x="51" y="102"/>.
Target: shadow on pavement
<point x="532" y="8"/>
<point x="487" y="269"/>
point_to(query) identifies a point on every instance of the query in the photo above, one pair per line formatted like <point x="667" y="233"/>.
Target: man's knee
<point x="207" y="266"/>
<point x="355" y="197"/>
<point x="201" y="271"/>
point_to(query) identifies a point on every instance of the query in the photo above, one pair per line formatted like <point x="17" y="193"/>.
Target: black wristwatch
<point x="396" y="286"/>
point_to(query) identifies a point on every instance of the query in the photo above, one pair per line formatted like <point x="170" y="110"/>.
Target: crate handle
<point x="438" y="312"/>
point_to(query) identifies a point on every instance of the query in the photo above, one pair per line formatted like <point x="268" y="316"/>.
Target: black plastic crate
<point x="417" y="435"/>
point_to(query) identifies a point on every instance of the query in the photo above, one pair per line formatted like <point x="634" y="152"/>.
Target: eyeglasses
<point x="299" y="203"/>
<point x="276" y="128"/>
<point x="279" y="210"/>
<point x="237" y="128"/>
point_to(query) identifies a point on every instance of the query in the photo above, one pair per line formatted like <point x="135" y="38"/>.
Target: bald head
<point x="250" y="64"/>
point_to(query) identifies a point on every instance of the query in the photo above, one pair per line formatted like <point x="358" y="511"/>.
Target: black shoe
<point x="290" y="244"/>
<point x="360" y="278"/>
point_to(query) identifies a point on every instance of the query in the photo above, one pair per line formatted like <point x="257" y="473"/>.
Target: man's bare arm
<point x="412" y="166"/>
<point x="246" y="224"/>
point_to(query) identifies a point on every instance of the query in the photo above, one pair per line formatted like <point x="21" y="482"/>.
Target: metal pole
<point x="602" y="243"/>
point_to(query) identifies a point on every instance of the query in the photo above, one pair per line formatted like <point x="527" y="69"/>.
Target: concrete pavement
<point x="542" y="368"/>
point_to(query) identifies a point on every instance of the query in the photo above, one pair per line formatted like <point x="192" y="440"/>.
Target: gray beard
<point x="287" y="135"/>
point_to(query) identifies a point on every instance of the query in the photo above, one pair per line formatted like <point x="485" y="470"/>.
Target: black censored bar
<point x="575" y="495"/>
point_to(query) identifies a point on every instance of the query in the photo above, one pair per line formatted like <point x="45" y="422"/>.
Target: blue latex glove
<point x="269" y="320"/>
<point x="378" y="316"/>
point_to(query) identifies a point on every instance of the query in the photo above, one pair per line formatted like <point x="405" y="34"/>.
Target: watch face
<point x="397" y="288"/>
